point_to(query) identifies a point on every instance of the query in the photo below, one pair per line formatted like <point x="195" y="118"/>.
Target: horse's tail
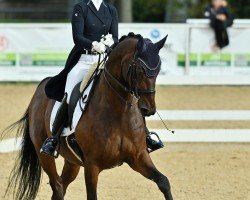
<point x="25" y="177"/>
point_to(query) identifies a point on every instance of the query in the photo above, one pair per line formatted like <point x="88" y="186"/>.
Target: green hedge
<point x="155" y="10"/>
<point x="149" y="11"/>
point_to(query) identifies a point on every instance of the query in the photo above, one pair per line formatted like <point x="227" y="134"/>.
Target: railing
<point x="29" y="52"/>
<point x="226" y="66"/>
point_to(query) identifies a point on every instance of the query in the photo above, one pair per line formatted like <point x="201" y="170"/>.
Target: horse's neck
<point x="110" y="92"/>
<point x="115" y="69"/>
<point x="108" y="106"/>
<point x="111" y="95"/>
<point x="114" y="111"/>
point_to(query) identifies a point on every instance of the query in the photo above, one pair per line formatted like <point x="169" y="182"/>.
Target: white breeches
<point x="78" y="72"/>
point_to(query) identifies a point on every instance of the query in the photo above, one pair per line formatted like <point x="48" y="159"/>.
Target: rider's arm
<point x="78" y="29"/>
<point x="230" y="18"/>
<point x="114" y="25"/>
<point x="207" y="12"/>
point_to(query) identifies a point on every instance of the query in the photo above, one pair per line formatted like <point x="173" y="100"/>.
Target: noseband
<point x="133" y="90"/>
<point x="149" y="72"/>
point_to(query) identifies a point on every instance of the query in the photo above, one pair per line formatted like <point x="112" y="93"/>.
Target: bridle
<point x="132" y="73"/>
<point x="133" y="91"/>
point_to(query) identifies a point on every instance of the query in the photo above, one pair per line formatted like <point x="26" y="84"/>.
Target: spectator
<point x="220" y="20"/>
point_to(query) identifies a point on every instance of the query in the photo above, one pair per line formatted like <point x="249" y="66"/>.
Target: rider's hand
<point x="221" y="17"/>
<point x="108" y="40"/>
<point x="98" y="47"/>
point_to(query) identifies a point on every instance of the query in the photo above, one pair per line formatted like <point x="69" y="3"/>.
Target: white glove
<point x="98" y="47"/>
<point x="108" y="40"/>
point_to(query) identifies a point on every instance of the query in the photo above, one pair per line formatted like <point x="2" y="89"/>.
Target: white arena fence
<point x="204" y="135"/>
<point x="30" y="52"/>
<point x="183" y="135"/>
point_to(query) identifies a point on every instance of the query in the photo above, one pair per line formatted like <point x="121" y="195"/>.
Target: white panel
<point x="52" y="38"/>
<point x="201" y="115"/>
<point x="205" y="135"/>
<point x="181" y="135"/>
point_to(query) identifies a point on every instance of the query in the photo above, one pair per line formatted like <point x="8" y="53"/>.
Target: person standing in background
<point x="220" y="20"/>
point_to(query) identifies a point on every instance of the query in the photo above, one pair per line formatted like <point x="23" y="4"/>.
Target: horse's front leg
<point x="69" y="174"/>
<point x="144" y="165"/>
<point x="91" y="178"/>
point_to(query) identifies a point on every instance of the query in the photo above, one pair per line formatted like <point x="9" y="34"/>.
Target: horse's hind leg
<point x="39" y="117"/>
<point x="69" y="174"/>
<point x="144" y="165"/>
<point x="49" y="166"/>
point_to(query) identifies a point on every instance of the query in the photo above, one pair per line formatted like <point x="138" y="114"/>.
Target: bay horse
<point x="109" y="133"/>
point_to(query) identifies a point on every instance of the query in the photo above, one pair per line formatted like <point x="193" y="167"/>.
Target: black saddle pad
<point x="76" y="95"/>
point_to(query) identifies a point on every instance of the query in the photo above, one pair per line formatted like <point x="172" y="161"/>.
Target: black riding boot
<point x="50" y="144"/>
<point x="152" y="144"/>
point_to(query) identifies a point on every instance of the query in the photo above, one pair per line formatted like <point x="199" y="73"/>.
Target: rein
<point x="133" y="91"/>
<point x="134" y="100"/>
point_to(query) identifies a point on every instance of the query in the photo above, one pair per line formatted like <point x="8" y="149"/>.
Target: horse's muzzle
<point x="147" y="112"/>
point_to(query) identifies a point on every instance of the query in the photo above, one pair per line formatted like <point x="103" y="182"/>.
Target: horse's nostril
<point x="147" y="112"/>
<point x="144" y="111"/>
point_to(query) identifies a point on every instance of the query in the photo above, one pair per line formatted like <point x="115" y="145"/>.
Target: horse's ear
<point x="141" y="46"/>
<point x="161" y="43"/>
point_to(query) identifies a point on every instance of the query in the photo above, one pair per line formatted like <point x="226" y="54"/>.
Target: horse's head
<point x="141" y="64"/>
<point x="148" y="65"/>
<point x="141" y="73"/>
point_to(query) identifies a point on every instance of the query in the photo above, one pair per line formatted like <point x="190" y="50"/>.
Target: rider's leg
<point x="50" y="144"/>
<point x="75" y="76"/>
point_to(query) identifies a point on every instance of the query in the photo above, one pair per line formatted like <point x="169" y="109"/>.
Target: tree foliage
<point x="156" y="10"/>
<point x="149" y="11"/>
<point x="239" y="8"/>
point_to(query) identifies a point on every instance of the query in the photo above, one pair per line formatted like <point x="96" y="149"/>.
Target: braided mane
<point x="124" y="37"/>
<point x="130" y="35"/>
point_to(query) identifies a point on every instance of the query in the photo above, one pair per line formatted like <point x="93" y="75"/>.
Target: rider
<point x="91" y="19"/>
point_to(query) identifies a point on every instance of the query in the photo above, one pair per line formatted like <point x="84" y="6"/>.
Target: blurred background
<point x="203" y="93"/>
<point x="168" y="11"/>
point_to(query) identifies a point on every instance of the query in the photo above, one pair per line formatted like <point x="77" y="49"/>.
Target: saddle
<point x="78" y="103"/>
<point x="81" y="99"/>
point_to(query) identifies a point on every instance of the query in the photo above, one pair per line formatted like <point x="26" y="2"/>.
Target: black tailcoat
<point x="88" y="25"/>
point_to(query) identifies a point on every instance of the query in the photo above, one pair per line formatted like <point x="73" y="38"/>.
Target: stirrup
<point x="149" y="134"/>
<point x="49" y="148"/>
<point x="54" y="155"/>
<point x="154" y="133"/>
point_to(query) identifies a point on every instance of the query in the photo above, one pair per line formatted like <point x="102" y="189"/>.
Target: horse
<point x="110" y="132"/>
